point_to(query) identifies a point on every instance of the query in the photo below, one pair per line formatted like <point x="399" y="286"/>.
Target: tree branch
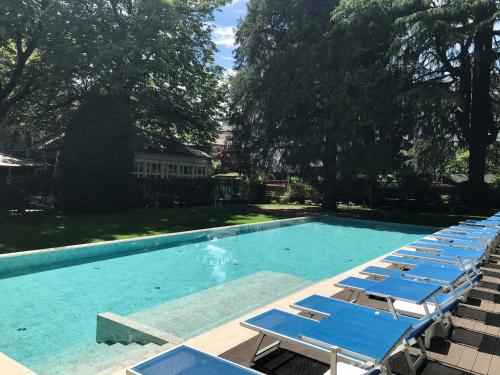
<point x="441" y="54"/>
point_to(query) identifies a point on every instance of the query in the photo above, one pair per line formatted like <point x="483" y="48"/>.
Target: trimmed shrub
<point x="97" y="156"/>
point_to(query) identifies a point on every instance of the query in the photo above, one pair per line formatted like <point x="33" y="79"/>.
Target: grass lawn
<point x="32" y="230"/>
<point x="28" y="231"/>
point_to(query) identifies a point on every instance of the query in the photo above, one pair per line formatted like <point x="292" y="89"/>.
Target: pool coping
<point x="25" y="262"/>
<point x="155" y="236"/>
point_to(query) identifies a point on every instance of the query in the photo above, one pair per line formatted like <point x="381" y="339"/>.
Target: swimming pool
<point x="50" y="299"/>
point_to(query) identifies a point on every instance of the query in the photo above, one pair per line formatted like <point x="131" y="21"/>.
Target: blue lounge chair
<point x="487" y="223"/>
<point x="476" y="227"/>
<point x="468" y="234"/>
<point x="473" y="275"/>
<point x="448" y="257"/>
<point x="473" y="245"/>
<point x="361" y="339"/>
<point x="409" y="297"/>
<point x="453" y="281"/>
<point x="476" y="255"/>
<point x="491" y="234"/>
<point x="444" y="277"/>
<point x="321" y="307"/>
<point x="453" y="236"/>
<point x="188" y="361"/>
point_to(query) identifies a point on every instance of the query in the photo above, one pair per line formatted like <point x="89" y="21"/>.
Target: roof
<point x="147" y="142"/>
<point x="150" y="142"/>
<point x="9" y="161"/>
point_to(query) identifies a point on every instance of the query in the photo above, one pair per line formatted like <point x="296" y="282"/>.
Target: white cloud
<point x="230" y="72"/>
<point x="224" y="35"/>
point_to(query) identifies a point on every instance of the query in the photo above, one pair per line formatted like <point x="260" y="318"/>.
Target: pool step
<point x="191" y="315"/>
<point x="112" y="328"/>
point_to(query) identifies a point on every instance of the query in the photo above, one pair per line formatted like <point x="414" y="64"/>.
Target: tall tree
<point x="24" y="26"/>
<point x="459" y="41"/>
<point x="379" y="120"/>
<point x="284" y="93"/>
<point x="160" y="53"/>
<point x="450" y="50"/>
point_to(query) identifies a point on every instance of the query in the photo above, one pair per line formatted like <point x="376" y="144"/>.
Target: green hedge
<point x="162" y="193"/>
<point x="97" y="156"/>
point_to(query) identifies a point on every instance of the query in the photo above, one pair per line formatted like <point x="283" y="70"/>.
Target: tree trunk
<point x="330" y="174"/>
<point x="482" y="131"/>
<point x="477" y="170"/>
<point x="476" y="118"/>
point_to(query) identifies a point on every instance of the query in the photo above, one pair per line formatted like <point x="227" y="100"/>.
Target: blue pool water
<point x="52" y="313"/>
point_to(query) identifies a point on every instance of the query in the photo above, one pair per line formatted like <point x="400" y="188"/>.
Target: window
<point x="190" y="170"/>
<point x="136" y="168"/>
<point x="140" y="168"/>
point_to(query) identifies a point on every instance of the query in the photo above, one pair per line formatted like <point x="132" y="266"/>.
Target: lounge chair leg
<point x="423" y="355"/>
<point x="356" y="296"/>
<point x="259" y="351"/>
<point x="408" y="360"/>
<point x="385" y="368"/>
<point x="333" y="360"/>
<point x="429" y="334"/>
<point x="418" y="362"/>
<point x="257" y="347"/>
<point x="450" y="326"/>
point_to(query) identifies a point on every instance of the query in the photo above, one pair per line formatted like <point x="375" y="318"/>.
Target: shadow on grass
<point x="28" y="231"/>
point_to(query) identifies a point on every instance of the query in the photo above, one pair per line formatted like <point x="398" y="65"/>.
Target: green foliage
<point x="236" y="188"/>
<point x="299" y="191"/>
<point x="160" y="53"/>
<point x="282" y="95"/>
<point x="432" y="156"/>
<point x="97" y="156"/>
<point x="307" y="86"/>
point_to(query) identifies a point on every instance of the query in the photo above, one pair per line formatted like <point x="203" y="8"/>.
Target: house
<point x="166" y="158"/>
<point x="155" y="156"/>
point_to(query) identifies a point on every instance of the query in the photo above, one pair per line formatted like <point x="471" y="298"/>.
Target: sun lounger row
<point x="422" y="285"/>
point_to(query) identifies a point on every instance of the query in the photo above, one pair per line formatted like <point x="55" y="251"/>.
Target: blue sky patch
<point x="223" y="34"/>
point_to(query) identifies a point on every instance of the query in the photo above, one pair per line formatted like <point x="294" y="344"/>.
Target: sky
<point x="223" y="34"/>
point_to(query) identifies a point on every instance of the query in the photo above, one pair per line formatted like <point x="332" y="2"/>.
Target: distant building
<point x="156" y="156"/>
<point x="166" y="158"/>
